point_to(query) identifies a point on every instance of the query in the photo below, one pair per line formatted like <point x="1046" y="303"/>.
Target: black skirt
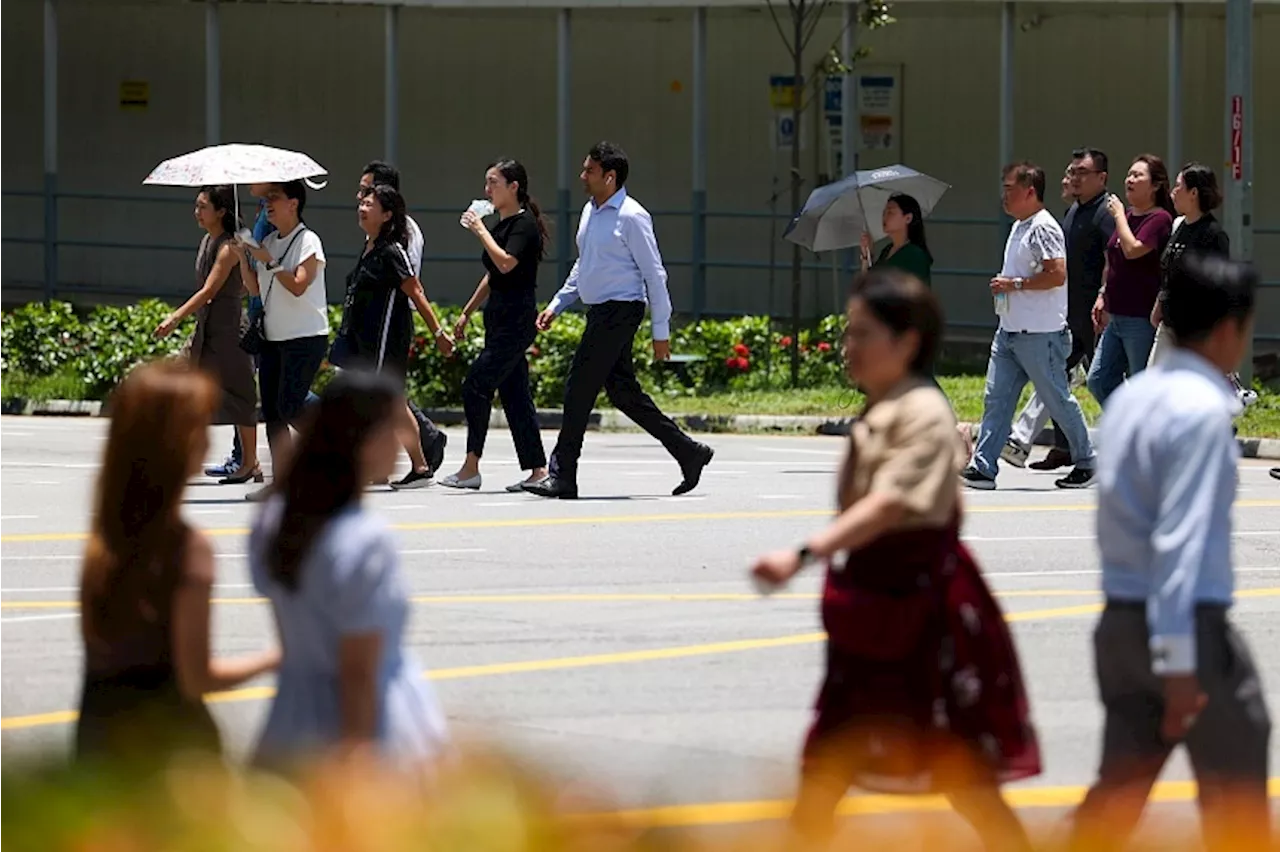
<point x="138" y="718"/>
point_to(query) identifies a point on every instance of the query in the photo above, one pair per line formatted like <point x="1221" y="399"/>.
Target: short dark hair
<point x="1201" y="178"/>
<point x="903" y="303"/>
<point x="383" y="173"/>
<point x="1099" y="158"/>
<point x="1026" y="174"/>
<point x="395" y="229"/>
<point x="296" y="190"/>
<point x="611" y="159"/>
<point x="1205" y="290"/>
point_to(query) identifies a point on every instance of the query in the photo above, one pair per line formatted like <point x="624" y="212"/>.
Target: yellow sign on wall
<point x="135" y="95"/>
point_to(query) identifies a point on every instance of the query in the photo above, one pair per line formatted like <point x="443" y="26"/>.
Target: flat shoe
<point x="452" y="481"/>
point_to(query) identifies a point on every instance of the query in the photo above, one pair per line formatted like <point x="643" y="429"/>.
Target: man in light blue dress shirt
<point x="619" y="269"/>
<point x="1171" y="669"/>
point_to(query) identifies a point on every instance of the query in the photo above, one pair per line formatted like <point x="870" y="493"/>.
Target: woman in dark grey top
<point x="219" y="310"/>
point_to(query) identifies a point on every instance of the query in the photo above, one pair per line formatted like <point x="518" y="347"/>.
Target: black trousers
<point x="1227" y="743"/>
<point x="1080" y="321"/>
<point x="286" y="369"/>
<point x="502" y="366"/>
<point x="603" y="360"/>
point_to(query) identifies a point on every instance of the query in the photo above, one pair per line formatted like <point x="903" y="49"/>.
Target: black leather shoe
<point x="1057" y="458"/>
<point x="692" y="469"/>
<point x="552" y="487"/>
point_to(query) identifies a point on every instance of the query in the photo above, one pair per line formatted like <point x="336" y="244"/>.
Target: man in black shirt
<point x="1087" y="227"/>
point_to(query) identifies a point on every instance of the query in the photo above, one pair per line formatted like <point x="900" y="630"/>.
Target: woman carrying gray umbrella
<point x="903" y="223"/>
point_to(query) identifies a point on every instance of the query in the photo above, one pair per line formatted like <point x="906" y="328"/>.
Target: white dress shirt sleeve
<point x="1189" y="489"/>
<point x="638" y="233"/>
<point x="568" y="293"/>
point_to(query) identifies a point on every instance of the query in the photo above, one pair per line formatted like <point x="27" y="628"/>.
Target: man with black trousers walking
<point x="618" y="270"/>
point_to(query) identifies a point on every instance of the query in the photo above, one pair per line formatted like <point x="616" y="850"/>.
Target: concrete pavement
<point x="615" y="638"/>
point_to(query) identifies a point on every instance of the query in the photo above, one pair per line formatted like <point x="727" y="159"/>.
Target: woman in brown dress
<point x="923" y="691"/>
<point x="218" y="306"/>
<point x="145" y="582"/>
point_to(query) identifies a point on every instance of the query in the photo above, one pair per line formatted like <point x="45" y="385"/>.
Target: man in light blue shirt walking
<point x="1171" y="669"/>
<point x="619" y="269"/>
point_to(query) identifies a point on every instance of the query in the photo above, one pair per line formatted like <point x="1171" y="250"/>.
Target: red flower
<point x="741" y="350"/>
<point x="785" y="342"/>
<point x="420" y="341"/>
<point x="534" y="351"/>
<point x="731" y="363"/>
<point x="824" y="346"/>
<point x="742" y="363"/>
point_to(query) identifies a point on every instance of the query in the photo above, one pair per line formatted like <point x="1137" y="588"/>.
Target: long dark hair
<point x="1159" y="180"/>
<point x="395" y="229"/>
<point x="915" y="228"/>
<point x="159" y="419"/>
<point x="513" y="171"/>
<point x="324" y="476"/>
<point x="222" y="198"/>
<point x="903" y="303"/>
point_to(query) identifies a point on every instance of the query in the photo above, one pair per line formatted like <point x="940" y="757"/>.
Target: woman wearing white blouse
<point x="290" y="280"/>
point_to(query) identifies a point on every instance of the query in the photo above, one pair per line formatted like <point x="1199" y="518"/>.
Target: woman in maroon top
<point x="1132" y="282"/>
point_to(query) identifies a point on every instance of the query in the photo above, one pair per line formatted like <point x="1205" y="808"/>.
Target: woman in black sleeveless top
<point x="146" y="579"/>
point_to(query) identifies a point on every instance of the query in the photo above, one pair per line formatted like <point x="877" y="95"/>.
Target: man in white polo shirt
<point x="1033" y="340"/>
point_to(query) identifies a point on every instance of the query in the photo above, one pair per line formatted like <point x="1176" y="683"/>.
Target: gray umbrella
<point x="835" y="215"/>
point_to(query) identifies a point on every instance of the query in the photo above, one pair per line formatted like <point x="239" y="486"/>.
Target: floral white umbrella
<point x="236" y="164"/>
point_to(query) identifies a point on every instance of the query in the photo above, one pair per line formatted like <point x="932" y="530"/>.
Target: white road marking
<point x="778" y="496"/>
<point x="44" y="589"/>
<point x="1085" y="572"/>
<point x="23" y="618"/>
<point x="507" y="503"/>
<point x="19" y="517"/>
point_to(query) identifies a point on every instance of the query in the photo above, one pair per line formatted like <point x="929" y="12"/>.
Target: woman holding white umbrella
<point x="289" y="277"/>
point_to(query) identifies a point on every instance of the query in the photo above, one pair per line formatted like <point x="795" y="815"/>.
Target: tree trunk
<point x="797" y="57"/>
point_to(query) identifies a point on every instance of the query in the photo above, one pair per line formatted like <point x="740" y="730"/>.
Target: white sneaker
<point x="1014" y="453"/>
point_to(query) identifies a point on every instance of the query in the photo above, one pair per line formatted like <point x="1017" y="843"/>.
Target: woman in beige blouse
<point x="923" y="692"/>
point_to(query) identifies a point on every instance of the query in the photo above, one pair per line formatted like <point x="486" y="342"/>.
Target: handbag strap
<point x="283" y="255"/>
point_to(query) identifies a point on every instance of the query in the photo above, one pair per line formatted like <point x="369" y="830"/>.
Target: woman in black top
<point x="512" y="252"/>
<point x="1197" y="231"/>
<point x="377" y="321"/>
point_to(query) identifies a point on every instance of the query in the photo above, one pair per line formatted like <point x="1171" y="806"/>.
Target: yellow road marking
<point x="509" y="523"/>
<point x="557" y="663"/>
<point x="603" y="597"/>
<point x="729" y="813"/>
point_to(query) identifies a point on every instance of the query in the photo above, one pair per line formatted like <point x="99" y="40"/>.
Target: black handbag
<point x="256" y="334"/>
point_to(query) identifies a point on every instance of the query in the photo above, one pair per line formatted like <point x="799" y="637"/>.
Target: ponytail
<point x="532" y="204"/>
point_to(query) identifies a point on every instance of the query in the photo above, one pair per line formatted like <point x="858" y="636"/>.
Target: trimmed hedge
<point x="45" y="347"/>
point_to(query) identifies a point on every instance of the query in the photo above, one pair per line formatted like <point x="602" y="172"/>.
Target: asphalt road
<point x="616" y="639"/>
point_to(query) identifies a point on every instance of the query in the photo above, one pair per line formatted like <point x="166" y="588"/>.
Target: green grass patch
<point x="64" y="384"/>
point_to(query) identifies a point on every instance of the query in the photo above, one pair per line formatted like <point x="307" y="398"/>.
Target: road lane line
<point x="61" y="717"/>
<point x="496" y="523"/>
<point x="732" y="813"/>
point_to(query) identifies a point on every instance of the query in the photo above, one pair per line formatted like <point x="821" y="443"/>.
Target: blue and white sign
<point x="784" y="132"/>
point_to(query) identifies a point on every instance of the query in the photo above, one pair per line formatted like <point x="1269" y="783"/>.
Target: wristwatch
<point x="1018" y="282"/>
<point x="273" y="267"/>
<point x="806" y="556"/>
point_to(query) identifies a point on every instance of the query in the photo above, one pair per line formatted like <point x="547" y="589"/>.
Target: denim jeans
<point x="1041" y="358"/>
<point x="1122" y="352"/>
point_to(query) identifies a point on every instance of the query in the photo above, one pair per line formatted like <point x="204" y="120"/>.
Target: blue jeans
<point x="1122" y="352"/>
<point x="1041" y="358"/>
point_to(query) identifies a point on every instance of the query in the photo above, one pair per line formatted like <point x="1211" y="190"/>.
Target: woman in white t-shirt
<point x="289" y="277"/>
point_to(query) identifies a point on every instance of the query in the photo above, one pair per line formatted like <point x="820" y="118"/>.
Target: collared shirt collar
<point x="615" y="200"/>
<point x="1185" y="359"/>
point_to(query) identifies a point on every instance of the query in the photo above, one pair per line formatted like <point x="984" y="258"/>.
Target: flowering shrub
<point x="743" y="353"/>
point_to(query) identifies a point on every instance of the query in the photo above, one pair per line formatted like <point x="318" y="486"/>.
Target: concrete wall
<point x="475" y="84"/>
